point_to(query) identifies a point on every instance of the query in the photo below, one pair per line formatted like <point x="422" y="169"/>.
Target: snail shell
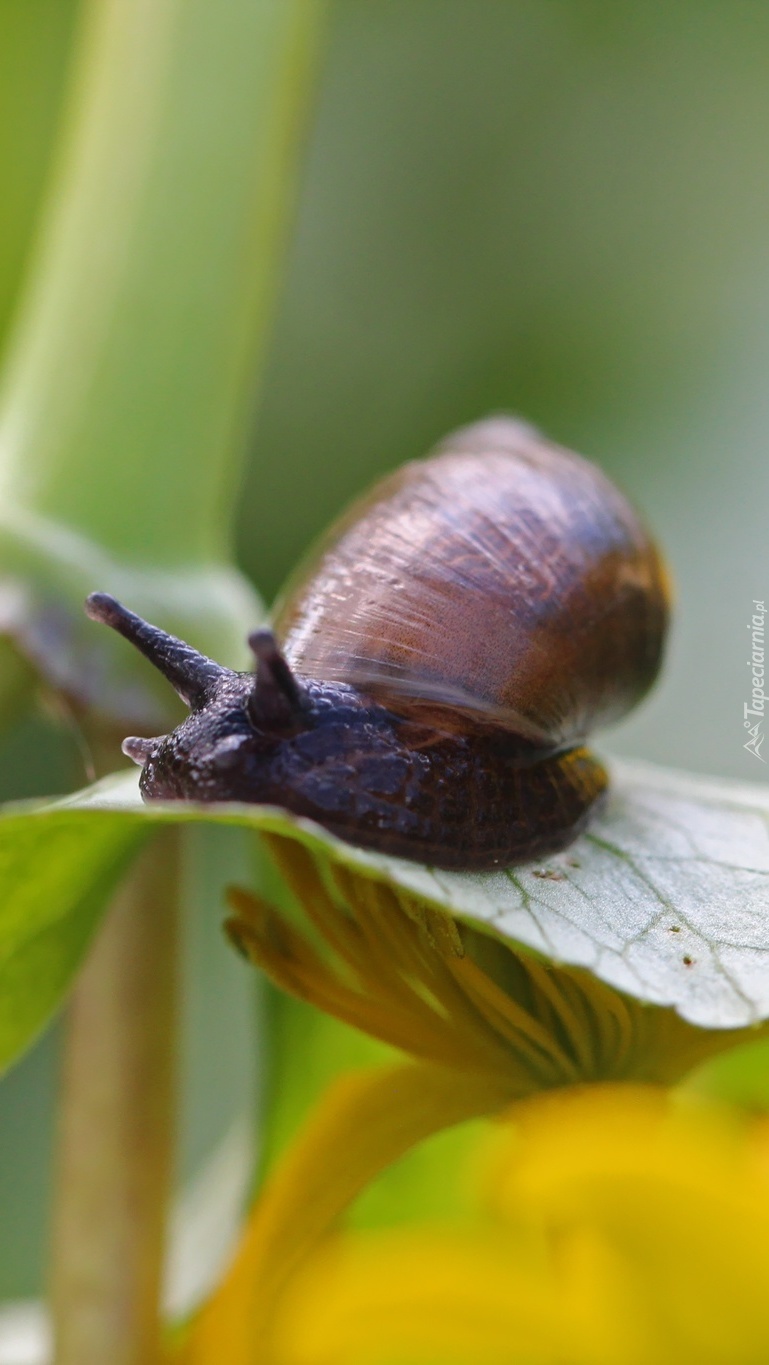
<point x="503" y="576"/>
<point x="452" y="642"/>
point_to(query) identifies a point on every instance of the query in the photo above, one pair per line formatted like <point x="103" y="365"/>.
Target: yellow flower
<point x="414" y="977"/>
<point x="615" y="1227"/>
<point x="486" y="1026"/>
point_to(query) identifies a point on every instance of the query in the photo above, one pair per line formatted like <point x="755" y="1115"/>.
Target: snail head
<point x="237" y="721"/>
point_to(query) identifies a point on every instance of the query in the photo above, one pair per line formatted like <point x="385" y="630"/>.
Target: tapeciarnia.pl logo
<point x="753" y="712"/>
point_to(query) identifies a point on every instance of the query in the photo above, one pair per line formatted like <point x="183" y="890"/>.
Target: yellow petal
<point x="419" y="1299"/>
<point x="622" y="1229"/>
<point x="364" y="1123"/>
<point x="676" y="1193"/>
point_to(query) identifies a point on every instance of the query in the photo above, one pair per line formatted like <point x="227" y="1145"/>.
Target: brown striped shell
<point x="503" y="577"/>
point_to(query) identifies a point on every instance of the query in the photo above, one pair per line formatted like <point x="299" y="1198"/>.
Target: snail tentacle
<point x="140" y="749"/>
<point x="193" y="676"/>
<point x="276" y="699"/>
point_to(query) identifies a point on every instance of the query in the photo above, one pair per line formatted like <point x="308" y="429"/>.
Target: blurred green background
<point x="555" y="207"/>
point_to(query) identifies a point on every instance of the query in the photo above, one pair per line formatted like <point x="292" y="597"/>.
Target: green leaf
<point x="665" y="898"/>
<point x="55" y="874"/>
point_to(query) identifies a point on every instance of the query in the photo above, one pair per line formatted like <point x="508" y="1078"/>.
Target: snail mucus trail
<point x="433" y="674"/>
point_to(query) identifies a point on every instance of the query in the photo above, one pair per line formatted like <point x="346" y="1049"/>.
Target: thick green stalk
<point x="116" y="1136"/>
<point x="129" y="385"/>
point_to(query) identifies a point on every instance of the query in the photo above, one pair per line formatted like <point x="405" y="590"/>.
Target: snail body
<point x="436" y="668"/>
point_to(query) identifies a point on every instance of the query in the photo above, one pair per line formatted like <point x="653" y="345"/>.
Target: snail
<point x="432" y="674"/>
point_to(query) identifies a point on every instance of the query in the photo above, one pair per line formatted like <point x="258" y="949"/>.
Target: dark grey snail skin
<point x="442" y="658"/>
<point x="324" y="751"/>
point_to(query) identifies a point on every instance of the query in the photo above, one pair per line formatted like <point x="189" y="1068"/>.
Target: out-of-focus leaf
<point x="666" y="897"/>
<point x="739" y="1076"/>
<point x="35" y="52"/>
<point x="55" y="876"/>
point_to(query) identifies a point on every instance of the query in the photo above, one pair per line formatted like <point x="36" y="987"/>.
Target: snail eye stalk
<point x="276" y="700"/>
<point x="192" y="675"/>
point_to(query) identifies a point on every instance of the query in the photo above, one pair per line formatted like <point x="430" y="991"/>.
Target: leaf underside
<point x="666" y="897"/>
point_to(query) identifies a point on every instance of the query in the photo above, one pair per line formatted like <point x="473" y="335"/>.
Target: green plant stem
<point x="130" y="381"/>
<point x="140" y="336"/>
<point x="116" y="1134"/>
